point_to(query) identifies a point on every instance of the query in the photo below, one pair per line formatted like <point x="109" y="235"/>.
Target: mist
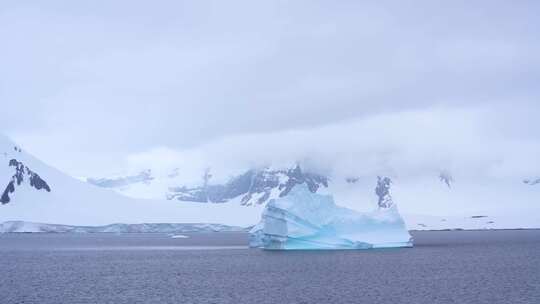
<point x="345" y="89"/>
<point x="463" y="141"/>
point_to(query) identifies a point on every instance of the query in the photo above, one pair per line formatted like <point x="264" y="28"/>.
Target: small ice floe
<point x="179" y="236"/>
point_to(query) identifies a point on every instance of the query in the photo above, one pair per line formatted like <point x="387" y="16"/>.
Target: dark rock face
<point x="144" y="176"/>
<point x="352" y="180"/>
<point x="446" y="178"/>
<point x="9" y="189"/>
<point x="22" y="172"/>
<point x="259" y="182"/>
<point x="532" y="181"/>
<point x="297" y="177"/>
<point x="383" y="192"/>
<point x="254" y="185"/>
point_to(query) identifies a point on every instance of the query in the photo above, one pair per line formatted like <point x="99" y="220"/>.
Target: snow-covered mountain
<point x="33" y="192"/>
<point x="41" y="194"/>
<point x="253" y="187"/>
<point x="458" y="200"/>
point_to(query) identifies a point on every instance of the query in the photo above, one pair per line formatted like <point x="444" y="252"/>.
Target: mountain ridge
<point x="78" y="203"/>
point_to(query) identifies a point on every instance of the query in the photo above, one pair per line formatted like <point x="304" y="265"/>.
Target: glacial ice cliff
<point x="306" y="220"/>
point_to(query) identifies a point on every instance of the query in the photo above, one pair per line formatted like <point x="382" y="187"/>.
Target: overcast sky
<point x="96" y="87"/>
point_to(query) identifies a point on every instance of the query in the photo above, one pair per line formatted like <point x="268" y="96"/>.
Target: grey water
<point x="444" y="267"/>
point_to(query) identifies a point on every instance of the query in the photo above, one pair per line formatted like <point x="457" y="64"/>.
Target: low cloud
<point x="408" y="144"/>
<point x="84" y="85"/>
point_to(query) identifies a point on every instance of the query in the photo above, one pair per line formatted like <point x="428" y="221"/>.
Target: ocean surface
<point x="444" y="267"/>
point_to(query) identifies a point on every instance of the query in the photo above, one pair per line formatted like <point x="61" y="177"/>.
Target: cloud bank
<point x="352" y="87"/>
<point x="409" y="144"/>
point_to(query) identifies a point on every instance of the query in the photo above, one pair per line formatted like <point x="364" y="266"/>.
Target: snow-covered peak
<point x="254" y="187"/>
<point x="250" y="188"/>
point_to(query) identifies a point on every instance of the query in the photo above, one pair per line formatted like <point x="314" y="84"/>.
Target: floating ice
<point x="306" y="220"/>
<point x="179" y="236"/>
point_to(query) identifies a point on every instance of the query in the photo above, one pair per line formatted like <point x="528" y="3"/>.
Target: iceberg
<point x="306" y="220"/>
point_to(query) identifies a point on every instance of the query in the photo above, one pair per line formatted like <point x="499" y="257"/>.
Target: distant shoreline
<point x="241" y="231"/>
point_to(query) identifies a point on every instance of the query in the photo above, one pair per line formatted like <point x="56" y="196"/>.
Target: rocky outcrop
<point x="383" y="192"/>
<point x="532" y="181"/>
<point x="21" y="174"/>
<point x="352" y="180"/>
<point x="254" y="186"/>
<point x="446" y="178"/>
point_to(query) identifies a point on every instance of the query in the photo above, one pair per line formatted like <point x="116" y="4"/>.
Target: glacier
<point x="307" y="220"/>
<point x="27" y="227"/>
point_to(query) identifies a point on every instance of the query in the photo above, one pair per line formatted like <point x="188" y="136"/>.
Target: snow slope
<point x="74" y="202"/>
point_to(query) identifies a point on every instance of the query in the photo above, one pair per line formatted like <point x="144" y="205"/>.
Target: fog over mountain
<point x="349" y="89"/>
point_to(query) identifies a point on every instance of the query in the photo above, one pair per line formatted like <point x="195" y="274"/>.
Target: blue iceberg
<point x="306" y="220"/>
